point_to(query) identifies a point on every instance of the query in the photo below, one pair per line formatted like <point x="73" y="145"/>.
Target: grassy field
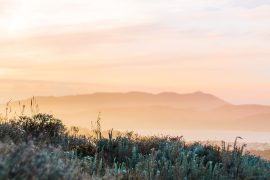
<point x="41" y="147"/>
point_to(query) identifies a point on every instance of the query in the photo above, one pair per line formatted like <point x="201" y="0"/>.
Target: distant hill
<point x="196" y="100"/>
<point x="139" y="110"/>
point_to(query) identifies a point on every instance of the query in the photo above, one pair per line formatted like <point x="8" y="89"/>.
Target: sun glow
<point x="16" y="25"/>
<point x="17" y="20"/>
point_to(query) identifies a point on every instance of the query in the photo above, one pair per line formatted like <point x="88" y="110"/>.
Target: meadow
<point x="41" y="147"/>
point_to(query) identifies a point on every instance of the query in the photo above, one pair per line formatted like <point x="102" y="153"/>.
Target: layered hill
<point x="167" y="110"/>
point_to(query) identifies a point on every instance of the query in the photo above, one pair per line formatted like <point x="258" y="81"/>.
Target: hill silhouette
<point x="166" y="110"/>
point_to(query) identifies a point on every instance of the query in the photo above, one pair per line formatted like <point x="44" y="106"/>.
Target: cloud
<point x="20" y="89"/>
<point x="250" y="3"/>
<point x="85" y="44"/>
<point x="127" y="45"/>
<point x="5" y="6"/>
<point x="149" y="42"/>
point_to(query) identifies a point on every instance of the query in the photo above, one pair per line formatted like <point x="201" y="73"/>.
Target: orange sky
<point x="221" y="47"/>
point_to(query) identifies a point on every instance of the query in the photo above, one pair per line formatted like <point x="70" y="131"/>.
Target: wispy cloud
<point x="250" y="3"/>
<point x="6" y="5"/>
<point x="202" y="43"/>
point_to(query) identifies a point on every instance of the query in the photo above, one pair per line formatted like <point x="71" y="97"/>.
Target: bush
<point x="40" y="124"/>
<point x="26" y="161"/>
<point x="10" y="133"/>
<point x="43" y="149"/>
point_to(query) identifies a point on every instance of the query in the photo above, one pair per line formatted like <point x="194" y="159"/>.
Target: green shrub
<point x="26" y="161"/>
<point x="43" y="149"/>
<point x="40" y="124"/>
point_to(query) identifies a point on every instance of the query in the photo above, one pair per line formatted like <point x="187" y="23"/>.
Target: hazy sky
<point x="216" y="46"/>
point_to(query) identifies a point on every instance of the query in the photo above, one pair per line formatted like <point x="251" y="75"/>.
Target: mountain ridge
<point x="135" y="109"/>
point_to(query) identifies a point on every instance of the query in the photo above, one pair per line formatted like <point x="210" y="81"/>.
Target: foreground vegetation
<point x="40" y="147"/>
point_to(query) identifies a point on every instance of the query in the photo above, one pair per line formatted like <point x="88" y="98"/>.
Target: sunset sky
<point x="59" y="47"/>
